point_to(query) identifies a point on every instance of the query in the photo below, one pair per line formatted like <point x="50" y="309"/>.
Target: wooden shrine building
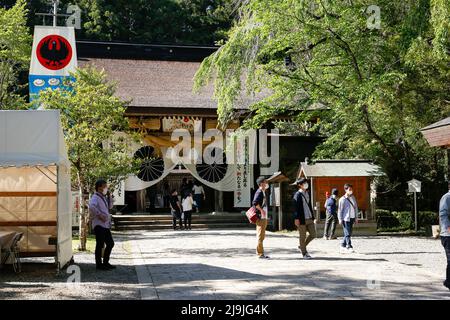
<point x="325" y="175"/>
<point x="157" y="81"/>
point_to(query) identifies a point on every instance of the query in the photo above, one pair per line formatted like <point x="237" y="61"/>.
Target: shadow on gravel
<point x="201" y="281"/>
<point x="40" y="281"/>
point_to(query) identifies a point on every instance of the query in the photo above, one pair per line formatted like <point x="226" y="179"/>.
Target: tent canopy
<point x="35" y="191"/>
<point x="29" y="138"/>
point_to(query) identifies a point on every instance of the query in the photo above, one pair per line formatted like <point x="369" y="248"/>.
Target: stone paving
<point x="222" y="265"/>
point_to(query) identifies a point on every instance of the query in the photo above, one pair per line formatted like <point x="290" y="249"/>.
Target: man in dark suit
<point x="304" y="216"/>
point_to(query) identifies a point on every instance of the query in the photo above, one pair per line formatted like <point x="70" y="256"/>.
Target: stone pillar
<point x="218" y="201"/>
<point x="140" y="201"/>
<point x="274" y="206"/>
<point x="447" y="178"/>
<point x="372" y="200"/>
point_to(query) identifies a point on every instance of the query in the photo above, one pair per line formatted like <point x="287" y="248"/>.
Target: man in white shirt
<point x="347" y="215"/>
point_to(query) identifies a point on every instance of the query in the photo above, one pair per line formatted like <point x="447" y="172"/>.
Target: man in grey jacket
<point x="444" y="223"/>
<point x="347" y="215"/>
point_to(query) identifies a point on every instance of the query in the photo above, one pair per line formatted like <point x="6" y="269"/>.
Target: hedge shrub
<point x="428" y="218"/>
<point x="404" y="220"/>
<point x="385" y="219"/>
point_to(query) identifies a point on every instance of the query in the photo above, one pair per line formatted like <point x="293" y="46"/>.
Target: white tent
<point x="35" y="191"/>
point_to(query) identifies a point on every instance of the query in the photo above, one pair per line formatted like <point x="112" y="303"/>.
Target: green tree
<point x="156" y="21"/>
<point x="15" y="50"/>
<point x="379" y="85"/>
<point x="90" y="116"/>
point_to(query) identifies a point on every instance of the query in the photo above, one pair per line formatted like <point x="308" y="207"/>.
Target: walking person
<point x="260" y="202"/>
<point x="99" y="206"/>
<point x="444" y="225"/>
<point x="304" y="216"/>
<point x="199" y="195"/>
<point x="347" y="215"/>
<point x="175" y="209"/>
<point x="187" y="204"/>
<point x="332" y="219"/>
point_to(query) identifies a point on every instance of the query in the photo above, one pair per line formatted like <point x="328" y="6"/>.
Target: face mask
<point x="105" y="191"/>
<point x="333" y="196"/>
<point x="306" y="185"/>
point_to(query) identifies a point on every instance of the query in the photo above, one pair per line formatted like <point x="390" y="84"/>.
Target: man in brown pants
<point x="304" y="216"/>
<point x="261" y="204"/>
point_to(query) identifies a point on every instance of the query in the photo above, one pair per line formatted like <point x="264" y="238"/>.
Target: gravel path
<point x="221" y="264"/>
<point x="423" y="253"/>
<point x="38" y="279"/>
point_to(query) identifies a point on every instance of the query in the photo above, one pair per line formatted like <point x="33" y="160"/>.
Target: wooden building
<point x="157" y="80"/>
<point x="325" y="175"/>
<point x="438" y="135"/>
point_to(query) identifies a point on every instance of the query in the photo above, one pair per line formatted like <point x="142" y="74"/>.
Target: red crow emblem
<point x="54" y="52"/>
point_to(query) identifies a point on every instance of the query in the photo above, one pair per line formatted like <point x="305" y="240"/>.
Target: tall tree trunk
<point x="84" y="216"/>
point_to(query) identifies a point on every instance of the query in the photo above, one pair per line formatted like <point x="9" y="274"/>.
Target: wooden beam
<point x="27" y="223"/>
<point x="28" y="194"/>
<point x="33" y="254"/>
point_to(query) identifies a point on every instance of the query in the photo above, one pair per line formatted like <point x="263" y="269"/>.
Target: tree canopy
<point x="15" y="51"/>
<point x="379" y="85"/>
<point x="90" y="116"/>
<point x="156" y="21"/>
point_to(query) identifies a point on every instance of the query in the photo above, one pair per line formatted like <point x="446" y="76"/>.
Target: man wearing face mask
<point x="331" y="221"/>
<point x="304" y="216"/>
<point x="347" y="215"/>
<point x="260" y="201"/>
<point x="99" y="206"/>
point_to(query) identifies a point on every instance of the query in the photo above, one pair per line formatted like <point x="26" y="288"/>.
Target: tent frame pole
<point x="58" y="267"/>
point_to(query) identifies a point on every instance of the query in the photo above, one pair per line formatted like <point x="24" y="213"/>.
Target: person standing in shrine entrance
<point x="199" y="195"/>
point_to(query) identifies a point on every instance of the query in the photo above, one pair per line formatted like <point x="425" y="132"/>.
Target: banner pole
<point x="55" y="12"/>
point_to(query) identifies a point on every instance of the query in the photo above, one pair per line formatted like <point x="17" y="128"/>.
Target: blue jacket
<point x="331" y="205"/>
<point x="444" y="212"/>
<point x="258" y="199"/>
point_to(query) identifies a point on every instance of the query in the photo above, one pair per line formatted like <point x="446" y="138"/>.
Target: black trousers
<point x="187" y="218"/>
<point x="103" y="237"/>
<point x="176" y="216"/>
<point x="446" y="244"/>
<point x="330" y="225"/>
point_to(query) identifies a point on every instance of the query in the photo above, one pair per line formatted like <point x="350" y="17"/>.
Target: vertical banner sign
<point x="53" y="57"/>
<point x="243" y="178"/>
<point x="119" y="194"/>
